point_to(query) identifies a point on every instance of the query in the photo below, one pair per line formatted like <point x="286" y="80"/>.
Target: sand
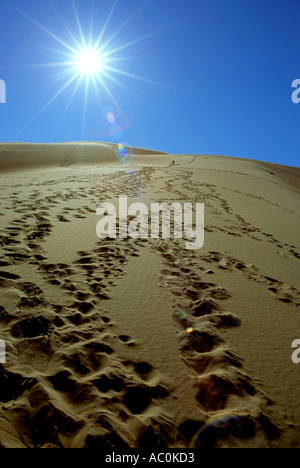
<point x="141" y="343"/>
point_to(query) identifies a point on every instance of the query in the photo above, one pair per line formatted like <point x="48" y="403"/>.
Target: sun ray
<point x="96" y="90"/>
<point x="51" y="100"/>
<point x="110" y="95"/>
<point x="53" y="49"/>
<point x="48" y="65"/>
<point x="85" y="102"/>
<point x="76" y="87"/>
<point x="99" y="38"/>
<point x="128" y="20"/>
<point x="56" y="77"/>
<point x="43" y="28"/>
<point x="91" y="29"/>
<point x="123" y="59"/>
<point x="121" y="85"/>
<point x="132" y="42"/>
<point x="67" y="106"/>
<point x="72" y="36"/>
<point x="138" y="77"/>
<point x="83" y="42"/>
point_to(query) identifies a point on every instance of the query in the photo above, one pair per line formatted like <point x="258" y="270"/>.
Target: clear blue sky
<point x="181" y="76"/>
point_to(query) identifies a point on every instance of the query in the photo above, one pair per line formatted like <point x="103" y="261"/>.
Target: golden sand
<point x="117" y="343"/>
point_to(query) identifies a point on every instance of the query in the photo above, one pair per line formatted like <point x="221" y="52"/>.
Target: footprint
<point x="204" y="307"/>
<point x="138" y="398"/>
<point x="107" y="383"/>
<point x="31" y="327"/>
<point x="13" y="385"/>
<point x="9" y="276"/>
<point x="143" y="368"/>
<point x="124" y="338"/>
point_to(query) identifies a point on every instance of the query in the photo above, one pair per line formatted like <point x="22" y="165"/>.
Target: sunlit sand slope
<point x="119" y="343"/>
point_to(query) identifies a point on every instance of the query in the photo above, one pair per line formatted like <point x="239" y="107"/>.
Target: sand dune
<point x="25" y="156"/>
<point x="141" y="343"/>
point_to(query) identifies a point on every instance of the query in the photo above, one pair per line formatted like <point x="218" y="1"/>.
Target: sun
<point x="89" y="62"/>
<point x="87" y="59"/>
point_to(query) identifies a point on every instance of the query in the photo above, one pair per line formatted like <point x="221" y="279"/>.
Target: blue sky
<point x="181" y="76"/>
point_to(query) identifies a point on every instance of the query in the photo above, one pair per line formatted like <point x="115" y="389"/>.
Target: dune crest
<point x="26" y="156"/>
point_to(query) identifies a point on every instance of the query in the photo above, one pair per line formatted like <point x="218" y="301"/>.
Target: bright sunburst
<point x="89" y="59"/>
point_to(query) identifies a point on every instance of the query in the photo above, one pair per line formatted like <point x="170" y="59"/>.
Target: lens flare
<point x="181" y="313"/>
<point x="124" y="155"/>
<point x="122" y="150"/>
<point x="111" y="118"/>
<point x="239" y="425"/>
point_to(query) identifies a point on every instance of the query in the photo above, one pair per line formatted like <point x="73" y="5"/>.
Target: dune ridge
<point x="28" y="156"/>
<point x="122" y="343"/>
